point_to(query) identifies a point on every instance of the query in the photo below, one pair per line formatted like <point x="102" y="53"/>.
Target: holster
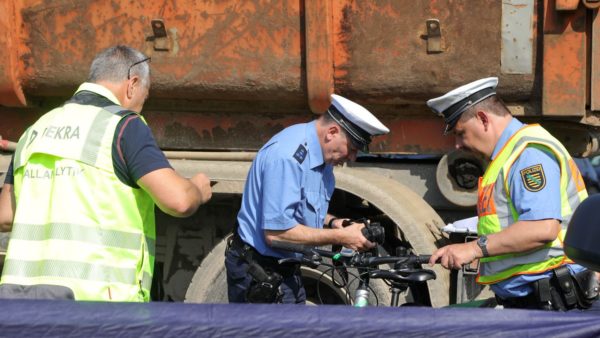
<point x="264" y="287"/>
<point x="586" y="286"/>
<point x="564" y="296"/>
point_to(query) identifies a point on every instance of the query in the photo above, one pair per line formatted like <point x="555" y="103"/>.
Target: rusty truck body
<point x="227" y="75"/>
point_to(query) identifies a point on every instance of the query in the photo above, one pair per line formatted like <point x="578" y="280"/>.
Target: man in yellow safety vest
<point x="79" y="195"/>
<point x="525" y="200"/>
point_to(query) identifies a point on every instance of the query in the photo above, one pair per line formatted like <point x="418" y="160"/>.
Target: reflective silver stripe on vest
<point x="146" y="281"/>
<point x="69" y="269"/>
<point x="502" y="203"/>
<point x="151" y="244"/>
<point x="74" y="232"/>
<point x="93" y="141"/>
<point x="114" y="109"/>
<point x="494" y="267"/>
<point x="19" y="152"/>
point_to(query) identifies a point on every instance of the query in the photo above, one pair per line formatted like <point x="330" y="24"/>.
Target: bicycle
<point x="405" y="273"/>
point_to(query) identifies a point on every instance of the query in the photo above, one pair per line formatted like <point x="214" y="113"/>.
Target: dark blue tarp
<point x="80" y="319"/>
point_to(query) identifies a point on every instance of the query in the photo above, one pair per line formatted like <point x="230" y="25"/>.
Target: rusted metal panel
<point x="13" y="122"/>
<point x="232" y="50"/>
<point x="11" y="93"/>
<point x="381" y="51"/>
<point x="517" y="36"/>
<point x="219" y="49"/>
<point x="248" y="131"/>
<point x="220" y="61"/>
<point x="566" y="5"/>
<point x="413" y="136"/>
<point x="319" y="53"/>
<point x="564" y="70"/>
<point x="595" y="65"/>
<point x="218" y="131"/>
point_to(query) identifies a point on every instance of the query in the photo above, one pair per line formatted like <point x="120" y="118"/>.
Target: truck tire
<point x="416" y="222"/>
<point x="209" y="284"/>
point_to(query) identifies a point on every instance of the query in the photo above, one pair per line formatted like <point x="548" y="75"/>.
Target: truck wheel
<point x="209" y="284"/>
<point x="416" y="222"/>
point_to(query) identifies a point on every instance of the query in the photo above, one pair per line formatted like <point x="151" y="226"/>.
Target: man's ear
<point x="332" y="130"/>
<point x="132" y="85"/>
<point x="483" y="118"/>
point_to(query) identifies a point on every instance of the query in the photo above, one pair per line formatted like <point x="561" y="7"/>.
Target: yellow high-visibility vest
<point x="496" y="210"/>
<point x="76" y="225"/>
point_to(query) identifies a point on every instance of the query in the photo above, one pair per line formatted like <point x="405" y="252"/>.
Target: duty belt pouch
<point x="586" y="285"/>
<point x="543" y="295"/>
<point x="565" y="285"/>
<point x="264" y="287"/>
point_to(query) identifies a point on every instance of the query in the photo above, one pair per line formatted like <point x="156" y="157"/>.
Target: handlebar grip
<point x="424" y="258"/>
<point x="288" y="246"/>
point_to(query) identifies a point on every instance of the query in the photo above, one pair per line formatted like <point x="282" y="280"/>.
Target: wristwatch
<point x="482" y="243"/>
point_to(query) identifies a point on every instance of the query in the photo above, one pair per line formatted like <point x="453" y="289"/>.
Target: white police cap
<point x="360" y="124"/>
<point x="454" y="103"/>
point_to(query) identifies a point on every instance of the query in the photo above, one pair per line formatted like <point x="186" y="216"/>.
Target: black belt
<point x="247" y="252"/>
<point x="560" y="292"/>
<point x="527" y="302"/>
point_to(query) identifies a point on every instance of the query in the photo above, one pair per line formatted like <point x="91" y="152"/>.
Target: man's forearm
<point x="303" y="234"/>
<point x="523" y="236"/>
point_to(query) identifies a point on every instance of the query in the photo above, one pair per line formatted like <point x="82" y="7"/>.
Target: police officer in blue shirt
<point x="526" y="198"/>
<point x="286" y="197"/>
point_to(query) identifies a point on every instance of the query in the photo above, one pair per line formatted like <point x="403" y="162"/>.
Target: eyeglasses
<point x="136" y="63"/>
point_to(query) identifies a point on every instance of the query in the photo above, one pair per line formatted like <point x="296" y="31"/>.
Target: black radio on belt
<point x="264" y="287"/>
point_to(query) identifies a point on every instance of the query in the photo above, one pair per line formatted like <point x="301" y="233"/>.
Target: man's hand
<point x="338" y="223"/>
<point x="174" y="194"/>
<point x="354" y="239"/>
<point x="454" y="256"/>
<point x="7" y="207"/>
<point x="202" y="182"/>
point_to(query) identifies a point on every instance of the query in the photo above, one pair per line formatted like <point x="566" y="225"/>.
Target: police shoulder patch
<point x="300" y="154"/>
<point x="533" y="178"/>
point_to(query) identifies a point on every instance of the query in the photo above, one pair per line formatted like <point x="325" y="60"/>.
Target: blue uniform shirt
<point x="288" y="184"/>
<point x="531" y="206"/>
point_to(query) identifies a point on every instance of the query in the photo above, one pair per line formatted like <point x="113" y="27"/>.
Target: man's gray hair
<point x="113" y="65"/>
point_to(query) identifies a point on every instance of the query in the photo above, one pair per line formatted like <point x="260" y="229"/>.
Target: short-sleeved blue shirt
<point x="531" y="206"/>
<point x="288" y="184"/>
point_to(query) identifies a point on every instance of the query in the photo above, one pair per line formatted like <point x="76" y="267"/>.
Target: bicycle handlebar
<point x="306" y="250"/>
<point x="357" y="259"/>
<point x="404" y="260"/>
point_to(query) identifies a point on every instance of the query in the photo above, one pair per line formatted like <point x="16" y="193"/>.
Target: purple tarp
<point x="82" y="319"/>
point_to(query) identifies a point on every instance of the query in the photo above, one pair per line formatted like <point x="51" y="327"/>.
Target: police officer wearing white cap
<point x="525" y="200"/>
<point x="286" y="198"/>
